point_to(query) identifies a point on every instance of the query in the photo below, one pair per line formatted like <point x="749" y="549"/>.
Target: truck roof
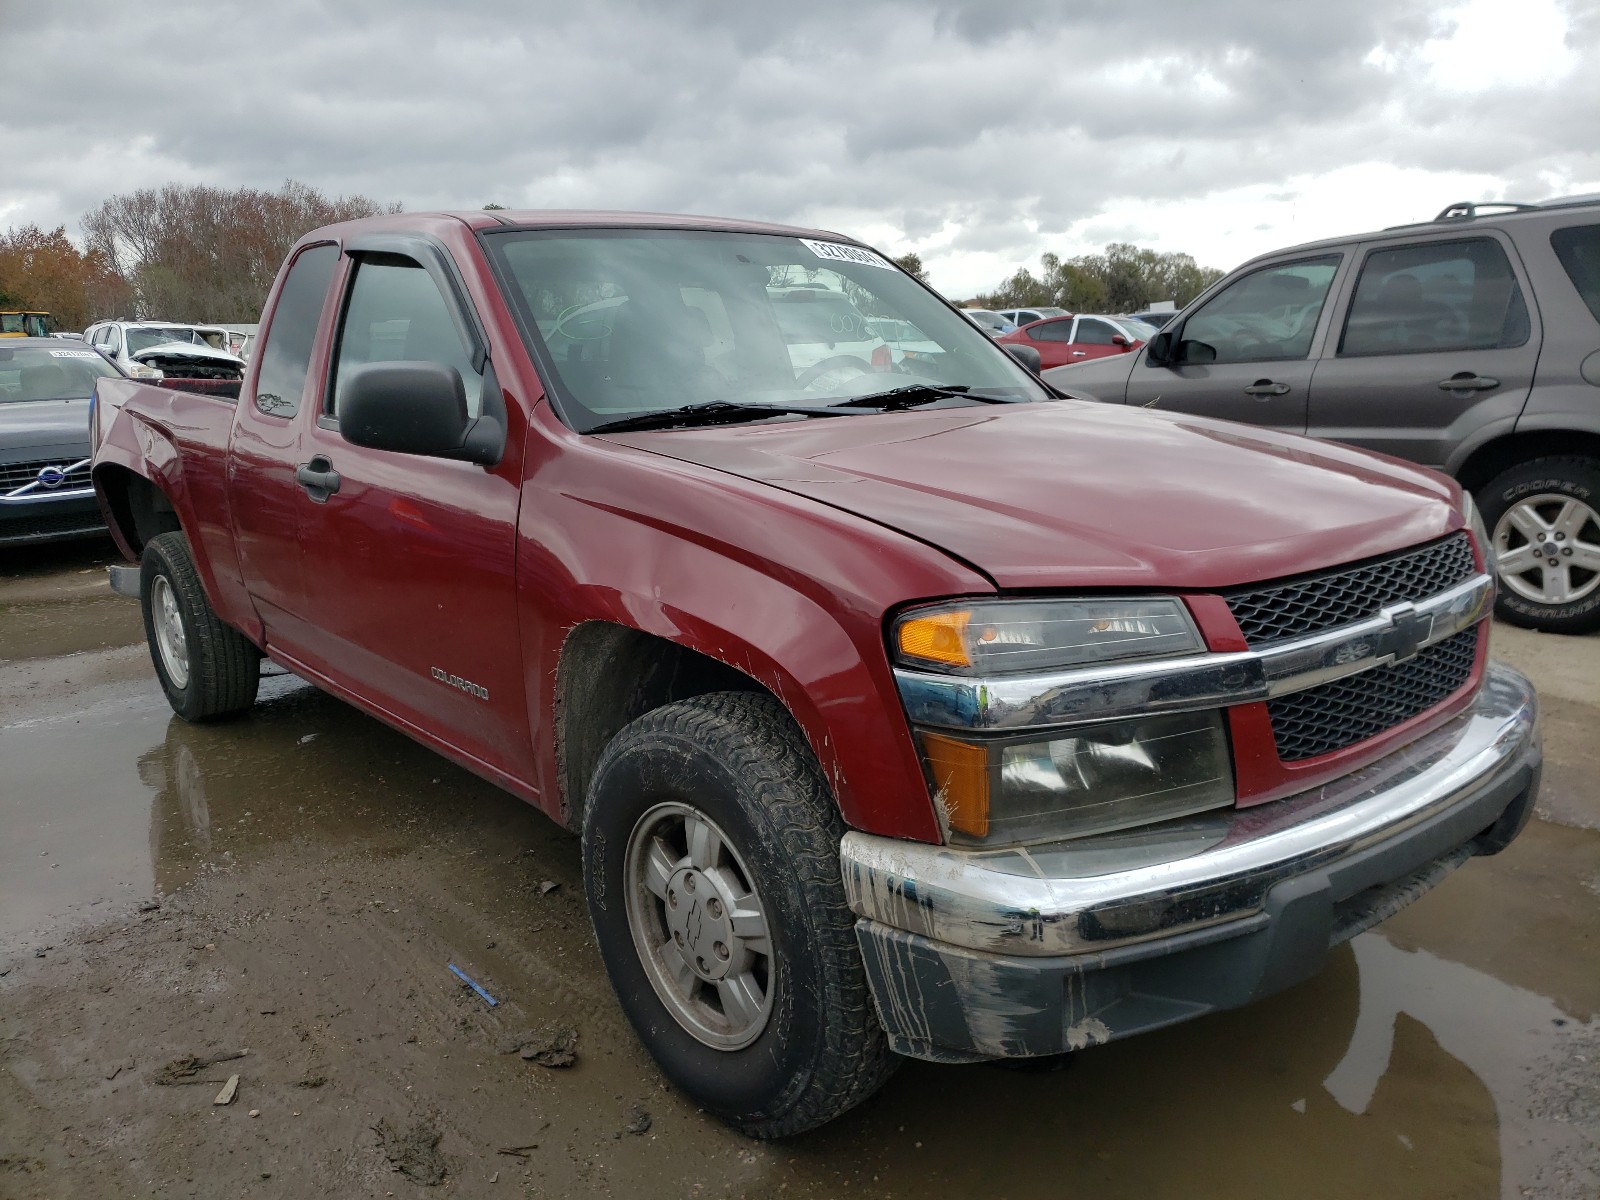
<point x="533" y="218"/>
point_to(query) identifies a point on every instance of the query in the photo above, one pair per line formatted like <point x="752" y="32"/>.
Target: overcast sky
<point x="979" y="135"/>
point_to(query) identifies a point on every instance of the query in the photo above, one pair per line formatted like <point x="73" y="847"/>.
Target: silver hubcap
<point x="170" y="638"/>
<point x="1547" y="549"/>
<point x="699" y="926"/>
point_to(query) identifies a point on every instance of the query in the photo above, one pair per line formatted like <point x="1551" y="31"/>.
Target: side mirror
<point x="1159" y="351"/>
<point x="1121" y="342"/>
<point x="1026" y="355"/>
<point x="417" y="408"/>
<point x="1196" y="352"/>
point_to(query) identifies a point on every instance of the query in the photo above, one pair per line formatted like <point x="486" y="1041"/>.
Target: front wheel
<point x="711" y="865"/>
<point x="1543" y="518"/>
<point x="207" y="669"/>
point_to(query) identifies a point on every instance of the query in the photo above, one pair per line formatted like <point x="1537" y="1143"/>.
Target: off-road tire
<point x="224" y="667"/>
<point x="1575" y="476"/>
<point x="738" y="758"/>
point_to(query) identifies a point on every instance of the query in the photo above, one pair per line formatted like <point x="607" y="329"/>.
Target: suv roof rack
<point x="1467" y="210"/>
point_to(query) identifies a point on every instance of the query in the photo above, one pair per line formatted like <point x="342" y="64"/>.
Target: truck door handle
<point x="1263" y="388"/>
<point x="318" y="478"/>
<point x="1467" y="381"/>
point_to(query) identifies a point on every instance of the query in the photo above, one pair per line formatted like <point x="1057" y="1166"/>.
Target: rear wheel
<point x="1544" y="529"/>
<point x="711" y="866"/>
<point x="207" y="669"/>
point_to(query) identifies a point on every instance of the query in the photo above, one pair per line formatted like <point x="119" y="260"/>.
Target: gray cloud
<point x="906" y="117"/>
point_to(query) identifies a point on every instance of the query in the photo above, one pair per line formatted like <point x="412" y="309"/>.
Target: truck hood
<point x="33" y="429"/>
<point x="1079" y="494"/>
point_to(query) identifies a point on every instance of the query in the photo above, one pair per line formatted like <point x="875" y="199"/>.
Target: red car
<point x="1062" y="341"/>
<point x="903" y="708"/>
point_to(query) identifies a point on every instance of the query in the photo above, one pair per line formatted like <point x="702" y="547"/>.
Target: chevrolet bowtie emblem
<point x="1408" y="630"/>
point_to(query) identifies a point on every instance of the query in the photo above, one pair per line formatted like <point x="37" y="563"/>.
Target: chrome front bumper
<point x="1363" y="844"/>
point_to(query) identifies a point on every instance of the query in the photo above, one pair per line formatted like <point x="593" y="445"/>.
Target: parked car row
<point x="1469" y="343"/>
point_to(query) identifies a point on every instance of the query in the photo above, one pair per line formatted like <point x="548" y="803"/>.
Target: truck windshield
<point x="636" y="321"/>
<point x="35" y="373"/>
<point x="143" y="337"/>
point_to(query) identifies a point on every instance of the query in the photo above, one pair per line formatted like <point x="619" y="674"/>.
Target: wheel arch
<point x="135" y="508"/>
<point x="609" y="675"/>
<point x="1502" y="453"/>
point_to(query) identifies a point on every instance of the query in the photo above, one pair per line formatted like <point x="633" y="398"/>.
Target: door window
<point x="1265" y="315"/>
<point x="1053" y="331"/>
<point x="286" y="356"/>
<point x="1436" y="296"/>
<point x="397" y="314"/>
<point x="113" y="339"/>
<point x="1094" y="333"/>
<point x="1578" y="248"/>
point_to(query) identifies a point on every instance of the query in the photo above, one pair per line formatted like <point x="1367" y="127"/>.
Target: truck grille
<point x="1312" y="603"/>
<point x="1323" y="719"/>
<point x="15" y="475"/>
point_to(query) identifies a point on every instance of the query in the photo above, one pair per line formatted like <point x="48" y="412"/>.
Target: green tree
<point x="911" y="264"/>
<point x="1121" y="278"/>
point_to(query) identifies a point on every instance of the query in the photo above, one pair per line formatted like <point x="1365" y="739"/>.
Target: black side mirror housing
<point x="417" y="408"/>
<point x="1196" y="352"/>
<point x="1026" y="355"/>
<point x="1158" y="352"/>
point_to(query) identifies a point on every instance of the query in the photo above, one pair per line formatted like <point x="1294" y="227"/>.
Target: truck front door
<point x="410" y="560"/>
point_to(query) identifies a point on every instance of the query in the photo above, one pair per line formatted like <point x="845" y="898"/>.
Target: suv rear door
<point x="1434" y="349"/>
<point x="1246" y="353"/>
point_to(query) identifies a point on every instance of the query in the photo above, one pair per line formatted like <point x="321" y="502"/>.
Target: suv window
<point x="1094" y="333"/>
<point x="1267" y="314"/>
<point x="1053" y="331"/>
<point x="286" y="356"/>
<point x="1578" y="248"/>
<point x="113" y="339"/>
<point x="396" y="314"/>
<point x="1436" y="296"/>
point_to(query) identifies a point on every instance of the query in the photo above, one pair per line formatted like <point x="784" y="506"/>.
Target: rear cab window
<point x="286" y="354"/>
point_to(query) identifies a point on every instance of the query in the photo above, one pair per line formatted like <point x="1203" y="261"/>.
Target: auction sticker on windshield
<point x="849" y="254"/>
<point x="72" y="353"/>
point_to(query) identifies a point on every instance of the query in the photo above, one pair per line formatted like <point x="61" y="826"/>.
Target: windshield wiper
<point x="712" y="412"/>
<point x="914" y="394"/>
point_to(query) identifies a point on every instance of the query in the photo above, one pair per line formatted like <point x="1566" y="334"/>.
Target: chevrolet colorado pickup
<point x="905" y="706"/>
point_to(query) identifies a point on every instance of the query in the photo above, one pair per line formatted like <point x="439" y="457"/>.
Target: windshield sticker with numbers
<point x="834" y="252"/>
<point x="72" y="354"/>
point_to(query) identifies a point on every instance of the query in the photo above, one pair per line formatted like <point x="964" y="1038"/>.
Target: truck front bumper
<point x="1022" y="953"/>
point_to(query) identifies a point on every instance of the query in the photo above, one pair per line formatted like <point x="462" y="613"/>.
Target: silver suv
<point x="1470" y="343"/>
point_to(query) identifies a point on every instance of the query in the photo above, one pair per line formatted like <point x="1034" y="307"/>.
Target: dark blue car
<point x="45" y="390"/>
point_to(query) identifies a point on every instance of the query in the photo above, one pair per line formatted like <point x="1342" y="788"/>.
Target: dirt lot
<point x="289" y="890"/>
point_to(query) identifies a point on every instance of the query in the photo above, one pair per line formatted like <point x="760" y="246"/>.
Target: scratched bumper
<point x="1005" y="954"/>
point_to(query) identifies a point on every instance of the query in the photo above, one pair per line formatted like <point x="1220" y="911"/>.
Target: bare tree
<point x="199" y="253"/>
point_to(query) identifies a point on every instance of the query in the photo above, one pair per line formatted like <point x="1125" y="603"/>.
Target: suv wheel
<point x="711" y="868"/>
<point x="1544" y="523"/>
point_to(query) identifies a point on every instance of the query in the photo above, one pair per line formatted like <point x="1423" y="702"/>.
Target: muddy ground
<point x="290" y="889"/>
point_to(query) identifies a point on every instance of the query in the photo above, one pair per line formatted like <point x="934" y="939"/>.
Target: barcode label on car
<point x="850" y="254"/>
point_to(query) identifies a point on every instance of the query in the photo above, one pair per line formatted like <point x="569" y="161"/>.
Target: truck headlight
<point x="1079" y="781"/>
<point x="991" y="637"/>
<point x="140" y="371"/>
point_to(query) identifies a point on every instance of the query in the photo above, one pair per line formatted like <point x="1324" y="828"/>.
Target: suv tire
<point x="208" y="669"/>
<point x="1544" y="517"/>
<point x="756" y="1002"/>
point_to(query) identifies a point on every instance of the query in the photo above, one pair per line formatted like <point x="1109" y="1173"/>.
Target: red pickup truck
<point x="905" y="706"/>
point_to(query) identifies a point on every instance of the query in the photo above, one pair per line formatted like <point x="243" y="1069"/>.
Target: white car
<point x="155" y="349"/>
<point x="826" y="333"/>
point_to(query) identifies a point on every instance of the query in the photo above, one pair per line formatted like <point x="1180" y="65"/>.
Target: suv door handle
<point x="1467" y="381"/>
<point x="1263" y="388"/>
<point x="318" y="478"/>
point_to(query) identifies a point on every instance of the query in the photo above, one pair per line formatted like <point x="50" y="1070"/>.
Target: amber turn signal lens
<point x="937" y="638"/>
<point x="961" y="782"/>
